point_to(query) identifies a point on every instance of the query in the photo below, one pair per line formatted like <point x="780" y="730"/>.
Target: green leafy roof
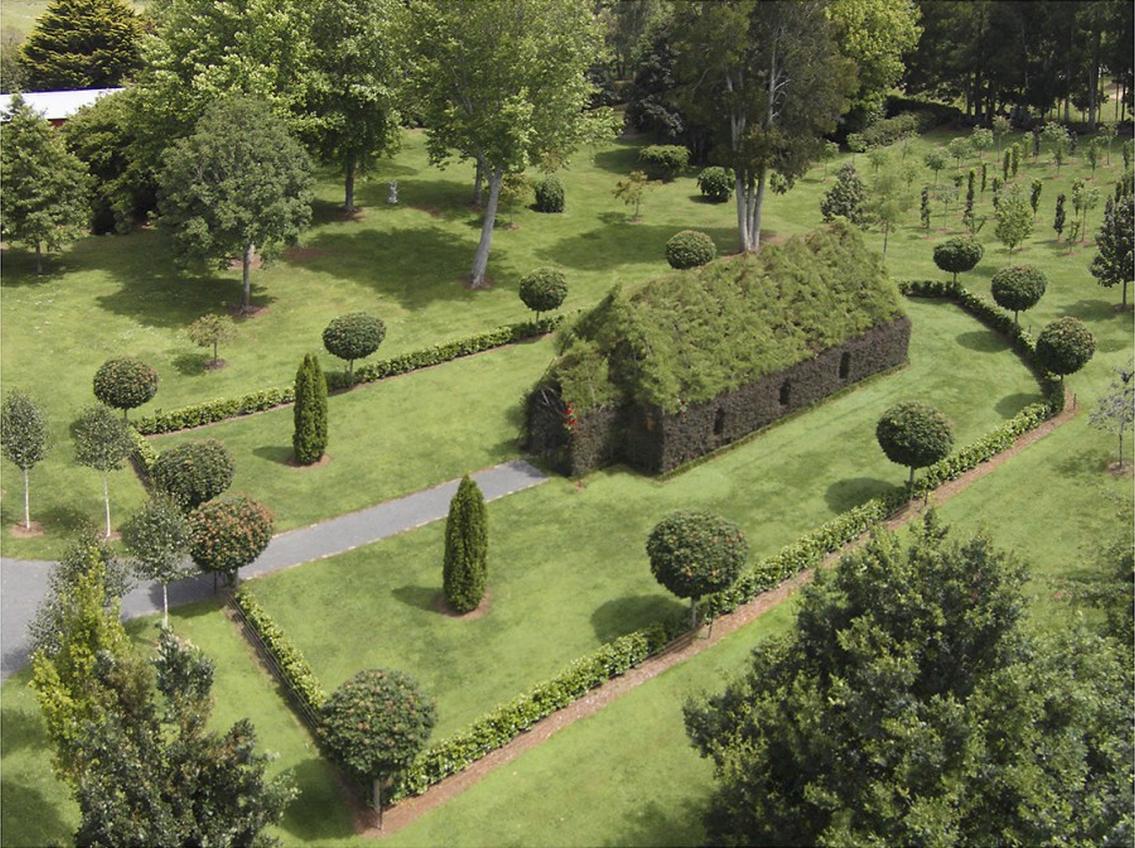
<point x="688" y="336"/>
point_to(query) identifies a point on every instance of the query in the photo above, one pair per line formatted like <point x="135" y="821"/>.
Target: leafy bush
<point x="958" y="255"/>
<point x="226" y="535"/>
<point x="914" y="434"/>
<point x="543" y="290"/>
<point x="550" y="194"/>
<point x="309" y="440"/>
<point x="716" y="183"/>
<point x="1065" y="346"/>
<point x="192" y="473"/>
<point x="847" y="198"/>
<point x="297" y="673"/>
<point x="353" y="336"/>
<point x="693" y="553"/>
<point x="125" y="382"/>
<point x="664" y="161"/>
<point x="689" y="249"/>
<point x="1018" y="287"/>
<point x="889" y="130"/>
<point x="465" y="569"/>
<point x="213" y="411"/>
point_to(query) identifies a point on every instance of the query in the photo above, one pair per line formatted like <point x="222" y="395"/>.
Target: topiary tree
<point x="465" y="567"/>
<point x="1114" y="262"/>
<point x="209" y="331"/>
<point x="543" y="290"/>
<point x="1065" y="346"/>
<point x="309" y="440"/>
<point x="23" y="438"/>
<point x="914" y="434"/>
<point x="689" y="249"/>
<point x="664" y="161"/>
<point x="157" y="537"/>
<point x="193" y="473"/>
<point x="1018" y="287"/>
<point x="353" y="336"/>
<point x="549" y="194"/>
<point x="693" y="553"/>
<point x="102" y="442"/>
<point x="716" y="183"/>
<point x="957" y="255"/>
<point x="847" y="197"/>
<point x="375" y="724"/>
<point x="227" y="534"/>
<point x="125" y="383"/>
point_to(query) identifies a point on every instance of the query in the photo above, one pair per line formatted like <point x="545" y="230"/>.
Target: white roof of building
<point x="55" y="105"/>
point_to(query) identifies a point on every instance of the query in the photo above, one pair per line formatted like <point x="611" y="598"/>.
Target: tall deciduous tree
<point x="771" y="80"/>
<point x="44" y="187"/>
<point x="102" y="442"/>
<point x="357" y="60"/>
<point x="911" y="705"/>
<point x="503" y="82"/>
<point x="23" y="437"/>
<point x="875" y="34"/>
<point x="81" y="44"/>
<point x="240" y="184"/>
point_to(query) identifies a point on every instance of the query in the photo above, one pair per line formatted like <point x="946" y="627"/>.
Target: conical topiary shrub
<point x="310" y="438"/>
<point x="466" y="548"/>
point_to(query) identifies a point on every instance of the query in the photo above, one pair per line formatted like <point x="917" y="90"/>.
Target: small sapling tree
<point x="693" y="553"/>
<point x="193" y="473"/>
<point x="1114" y="262"/>
<point x="981" y="139"/>
<point x="465" y="565"/>
<point x="1014" y="219"/>
<point x="543" y="290"/>
<point x="915" y="435"/>
<point x="23" y="437"/>
<point x="1001" y="127"/>
<point x="309" y="439"/>
<point x="1115" y="410"/>
<point x="157" y="537"/>
<point x="102" y="442"/>
<point x="125" y="383"/>
<point x="227" y="534"/>
<point x="1059" y="218"/>
<point x="924" y="208"/>
<point x="1065" y="346"/>
<point x="847" y="197"/>
<point x="632" y="190"/>
<point x="935" y="160"/>
<point x="1018" y="288"/>
<point x="353" y="336"/>
<point x="375" y="724"/>
<point x="958" y="255"/>
<point x="1034" y="196"/>
<point x="209" y="331"/>
<point x="960" y="148"/>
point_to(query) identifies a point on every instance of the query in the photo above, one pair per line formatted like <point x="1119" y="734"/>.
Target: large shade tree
<point x="240" y="184"/>
<point x="503" y="82"/>
<point x="770" y="79"/>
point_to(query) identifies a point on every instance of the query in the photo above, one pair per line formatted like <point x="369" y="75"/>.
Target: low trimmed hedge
<point x="297" y="673"/>
<point x="212" y="411"/>
<point x="507" y="721"/>
<point x="144" y="453"/>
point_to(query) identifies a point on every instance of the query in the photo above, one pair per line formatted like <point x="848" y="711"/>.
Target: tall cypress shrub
<point x="310" y="438"/>
<point x="466" y="548"/>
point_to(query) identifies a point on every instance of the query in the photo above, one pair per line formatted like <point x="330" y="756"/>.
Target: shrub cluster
<point x="664" y="161"/>
<point x="549" y="194"/>
<point x="689" y="249"/>
<point x="543" y="290"/>
<point x="298" y="676"/>
<point x="125" y="382"/>
<point x="506" y="722"/>
<point x="210" y="412"/>
<point x="889" y="130"/>
<point x="716" y="183"/>
<point x="193" y="473"/>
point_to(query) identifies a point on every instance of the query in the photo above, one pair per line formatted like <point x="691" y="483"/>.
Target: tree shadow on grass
<point x="654" y="824"/>
<point x="1092" y="309"/>
<point x="320" y="811"/>
<point x="620" y="616"/>
<point x="842" y="495"/>
<point x="191" y="364"/>
<point x="420" y="597"/>
<point x="621" y="242"/>
<point x="1010" y="405"/>
<point x="282" y="455"/>
<point x="23" y="728"/>
<point x="982" y="341"/>
<point x="30" y="818"/>
<point x="622" y="158"/>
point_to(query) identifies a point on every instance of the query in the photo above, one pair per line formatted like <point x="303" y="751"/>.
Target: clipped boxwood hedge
<point x="145" y="455"/>
<point x="297" y="673"/>
<point x="212" y="411"/>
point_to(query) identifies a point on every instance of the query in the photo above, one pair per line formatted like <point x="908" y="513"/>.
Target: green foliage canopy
<point x="465" y="565"/>
<point x="81" y="44"/>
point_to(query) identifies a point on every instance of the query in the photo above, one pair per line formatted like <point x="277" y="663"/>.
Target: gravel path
<point x="23" y="583"/>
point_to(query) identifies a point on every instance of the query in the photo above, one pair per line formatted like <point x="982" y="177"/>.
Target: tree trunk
<point x="477" y="180"/>
<point x="376" y="799"/>
<point x="1094" y="79"/>
<point x="27" y="510"/>
<point x="38" y="259"/>
<point x="910" y="482"/>
<point x="741" y="191"/>
<point x="349" y="185"/>
<point x="246" y="274"/>
<point x="481" y="259"/>
<point x="886" y="232"/>
<point x="1125" y="294"/>
<point x="693" y="614"/>
<point x="106" y="500"/>
<point x="755" y="210"/>
<point x="215" y="351"/>
<point x="165" y="605"/>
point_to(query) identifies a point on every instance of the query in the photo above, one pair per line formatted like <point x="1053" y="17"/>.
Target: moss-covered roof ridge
<point x="688" y="336"/>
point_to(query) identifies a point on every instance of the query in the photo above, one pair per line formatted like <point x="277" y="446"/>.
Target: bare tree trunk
<point x="38" y="259"/>
<point x="246" y="273"/>
<point x="27" y="510"/>
<point x="165" y="605"/>
<point x="376" y="791"/>
<point x="349" y="185"/>
<point x="757" y="205"/>
<point x="106" y="500"/>
<point x="741" y="190"/>
<point x="481" y="259"/>
<point x="478" y="179"/>
<point x="693" y="614"/>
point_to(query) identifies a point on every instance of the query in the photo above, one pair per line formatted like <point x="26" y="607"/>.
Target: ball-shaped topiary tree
<point x="193" y="473"/>
<point x="716" y="183"/>
<point x="309" y="414"/>
<point x="914" y="434"/>
<point x="465" y="567"/>
<point x="375" y="724"/>
<point x="549" y="194"/>
<point x="689" y="249"/>
<point x="125" y="382"/>
<point x="1065" y="346"/>
<point x="693" y="553"/>
<point x="1018" y="287"/>
<point x="227" y="534"/>
<point x="543" y="290"/>
<point x="958" y="255"/>
<point x="353" y="336"/>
